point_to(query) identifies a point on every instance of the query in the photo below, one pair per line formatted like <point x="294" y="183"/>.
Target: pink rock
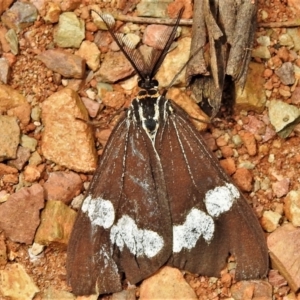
<point x="284" y="247"/>
<point x="252" y="289"/>
<point x="281" y="187"/>
<point x="20" y="214"/>
<point x="63" y="186"/>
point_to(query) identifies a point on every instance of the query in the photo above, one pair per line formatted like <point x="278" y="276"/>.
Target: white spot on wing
<point x="101" y="212"/>
<point x="220" y="199"/>
<point x="197" y="224"/>
<point x="139" y="241"/>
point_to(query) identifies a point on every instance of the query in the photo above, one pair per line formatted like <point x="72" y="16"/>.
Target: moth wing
<point x="124" y="226"/>
<point x="203" y="235"/>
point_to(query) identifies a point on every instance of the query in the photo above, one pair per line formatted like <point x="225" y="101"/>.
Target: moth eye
<point x="152" y="92"/>
<point x="142" y="93"/>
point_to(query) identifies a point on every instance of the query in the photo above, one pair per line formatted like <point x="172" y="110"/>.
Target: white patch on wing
<point x="220" y="199"/>
<point x="197" y="224"/>
<point x="139" y="241"/>
<point x="101" y="212"/>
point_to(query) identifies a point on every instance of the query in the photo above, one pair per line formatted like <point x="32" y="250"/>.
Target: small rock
<point x="57" y="221"/>
<point x="63" y="186"/>
<point x="284" y="249"/>
<point x="292" y="207"/>
<point x="67" y="139"/>
<point x="157" y="9"/>
<point x="9" y="137"/>
<point x="153" y="35"/>
<point x="296" y="96"/>
<point x="114" y="67"/>
<point x="131" y="40"/>
<point x="173" y="63"/>
<point x="252" y="289"/>
<point x="12" y="40"/>
<point x="282" y="114"/>
<point x="243" y="179"/>
<point x="64" y="63"/>
<point x="276" y="280"/>
<point x="35" y="159"/>
<point x="24" y="206"/>
<point x="294" y="33"/>
<point x="10" y="98"/>
<point x="167" y="283"/>
<point x="286" y="73"/>
<point x="16" y="283"/>
<point x="90" y="52"/>
<point x="28" y="142"/>
<point x="21" y="15"/>
<point x="261" y="52"/>
<point x="270" y="220"/>
<point x="249" y="142"/>
<point x="23" y="155"/>
<point x="4" y="169"/>
<point x="4" y="70"/>
<point x="5" y="4"/>
<point x="50" y="294"/>
<point x="114" y="99"/>
<point x="286" y="40"/>
<point x="31" y="174"/>
<point x="22" y="112"/>
<point x="91" y="106"/>
<point x="228" y="165"/>
<point x="281" y="187"/>
<point x="102" y="88"/>
<point x="124" y="295"/>
<point x="52" y="13"/>
<point x="70" y="31"/>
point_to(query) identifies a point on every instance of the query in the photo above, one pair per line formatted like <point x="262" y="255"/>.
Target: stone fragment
<point x="286" y="73"/>
<point x="261" y="51"/>
<point x="249" y="142"/>
<point x="284" y="247"/>
<point x="270" y="220"/>
<point x="252" y="289"/>
<point x="53" y="12"/>
<point x="5" y="70"/>
<point x="16" y="283"/>
<point x="35" y="159"/>
<point x="228" y="165"/>
<point x="167" y="283"/>
<point x="10" y="98"/>
<point x="64" y="63"/>
<point x="57" y="221"/>
<point x="114" y="99"/>
<point x="252" y="96"/>
<point x="28" y="142"/>
<point x="148" y="8"/>
<point x="23" y="155"/>
<point x="153" y="35"/>
<point x="31" y="174"/>
<point x="243" y="179"/>
<point x="173" y="63"/>
<point x="12" y="40"/>
<point x="70" y="31"/>
<point x="124" y="295"/>
<point x="5" y="4"/>
<point x="91" y="106"/>
<point x="276" y="279"/>
<point x="23" y="206"/>
<point x="282" y="114"/>
<point x="21" y="15"/>
<point x="280" y="188"/>
<point x="5" y="169"/>
<point x="22" y="112"/>
<point x="90" y="53"/>
<point x="67" y="139"/>
<point x="292" y="207"/>
<point x="9" y="137"/>
<point x="294" y="33"/>
<point x="190" y="107"/>
<point x="63" y="186"/>
<point x="114" y="67"/>
<point x="50" y="294"/>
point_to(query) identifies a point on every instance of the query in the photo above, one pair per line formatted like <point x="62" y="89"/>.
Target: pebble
<point x="5" y="70"/>
<point x="114" y="99"/>
<point x="64" y="63"/>
<point x="131" y="40"/>
<point x="286" y="73"/>
<point x="228" y="165"/>
<point x="153" y="35"/>
<point x="90" y="52"/>
<point x="57" y="221"/>
<point x="292" y="207"/>
<point x="252" y="96"/>
<point x="252" y="289"/>
<point x="20" y="16"/>
<point x="124" y="295"/>
<point x="35" y="159"/>
<point x="31" y="174"/>
<point x="243" y="179"/>
<point x="157" y="9"/>
<point x="261" y="52"/>
<point x="167" y="283"/>
<point x="12" y="40"/>
<point x="284" y="249"/>
<point x="286" y="40"/>
<point x="91" y="106"/>
<point x="114" y="67"/>
<point x="281" y="188"/>
<point x="16" y="283"/>
<point x="65" y="138"/>
<point x="294" y="33"/>
<point x="52" y="13"/>
<point x="9" y="137"/>
<point x="173" y="64"/>
<point x="63" y="186"/>
<point x="20" y="205"/>
<point x="70" y="31"/>
<point x="51" y="293"/>
<point x="270" y="220"/>
<point x="249" y="142"/>
<point x="28" y="142"/>
<point x="282" y="114"/>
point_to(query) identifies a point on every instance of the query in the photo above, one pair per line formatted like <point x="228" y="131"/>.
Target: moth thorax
<point x="148" y="83"/>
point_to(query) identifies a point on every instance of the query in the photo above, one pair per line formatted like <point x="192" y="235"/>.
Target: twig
<point x="186" y="22"/>
<point x="189" y="22"/>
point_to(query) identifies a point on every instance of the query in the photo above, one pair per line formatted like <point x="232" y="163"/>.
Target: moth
<point x="159" y="197"/>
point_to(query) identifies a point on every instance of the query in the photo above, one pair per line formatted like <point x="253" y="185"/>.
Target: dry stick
<point x="189" y="22"/>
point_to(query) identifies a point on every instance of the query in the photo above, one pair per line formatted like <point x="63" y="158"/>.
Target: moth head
<point x="148" y="83"/>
